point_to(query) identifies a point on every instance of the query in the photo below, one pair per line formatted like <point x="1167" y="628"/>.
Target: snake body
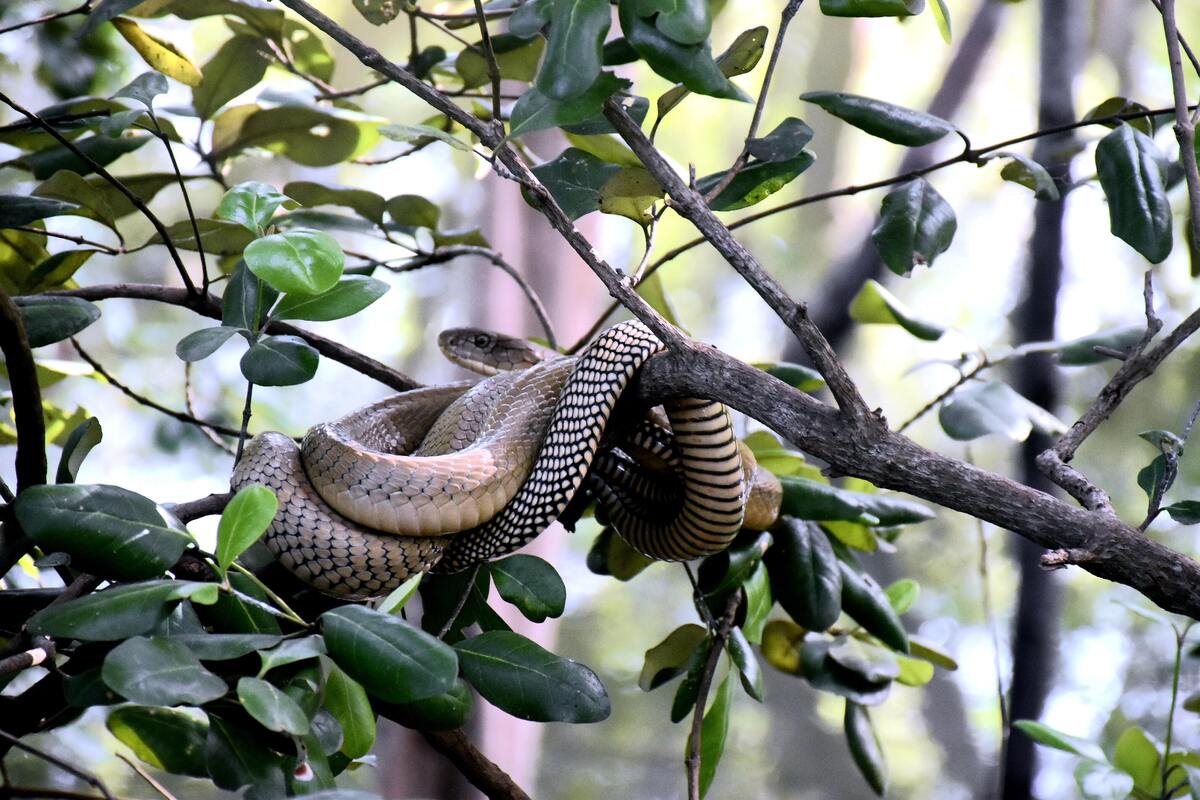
<point x="460" y="475"/>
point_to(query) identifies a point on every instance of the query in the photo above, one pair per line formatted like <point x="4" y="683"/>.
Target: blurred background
<point x="1103" y="666"/>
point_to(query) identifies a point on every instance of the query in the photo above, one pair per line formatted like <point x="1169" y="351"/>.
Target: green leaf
<point x="611" y="555"/>
<point x="246" y="299"/>
<point x="225" y="646"/>
<point x="20" y="209"/>
<point x="349" y="295"/>
<point x="399" y="596"/>
<point x="81" y="441"/>
<point x="809" y="499"/>
<point x="689" y="64"/>
<point x="231" y="614"/>
<point x="1114" y="106"/>
<point x="876" y="305"/>
<point x="980" y="409"/>
<point x="243" y="522"/>
<point x="119" y="612"/>
<point x="914" y="671"/>
<point x="668" y="659"/>
<point x="252" y="204"/>
<point x="892" y="510"/>
<point x="685" y="21"/>
<point x="785" y="142"/>
<point x="884" y="120"/>
<point x="530" y="584"/>
<point x="101" y="149"/>
<point x="418" y="134"/>
<point x="442" y="712"/>
<point x="864" y="747"/>
<point x="1153" y="478"/>
<point x="108" y="531"/>
<point x="1045" y="735"/>
<point x="159" y="672"/>
<point x="826" y="674"/>
<point x="144" y="88"/>
<point x="714" y="729"/>
<point x="521" y="678"/>
<point x="1082" y="351"/>
<point x="199" y="345"/>
<point x="414" y="211"/>
<point x="74" y="190"/>
<point x="931" y="653"/>
<point x="308" y="136"/>
<point x="238" y="65"/>
<point x="781" y="640"/>
<point x="164" y="738"/>
<point x="575" y="179"/>
<point x="1028" y="173"/>
<point x="1102" y="781"/>
<point x="273" y="709"/>
<point x="1133" y="176"/>
<point x="941" y="13"/>
<point x="606" y="148"/>
<point x="530" y="17"/>
<point x="743" y="658"/>
<point x="759" y="602"/>
<point x="630" y="193"/>
<point x="742" y="55"/>
<point x="237" y="757"/>
<point x="804" y="572"/>
<point x="51" y="319"/>
<point x="872" y="8"/>
<point x="280" y="361"/>
<point x="366" y="204"/>
<point x="573" y="55"/>
<point x="689" y="688"/>
<point x="290" y="651"/>
<point x="535" y="111"/>
<point x="866" y="603"/>
<point x="516" y="59"/>
<point x="217" y="236"/>
<point x="755" y="183"/>
<point x="300" y="260"/>
<point x="347" y="700"/>
<point x="1185" y="512"/>
<point x="391" y="659"/>
<point x="903" y="594"/>
<point x="915" y="226"/>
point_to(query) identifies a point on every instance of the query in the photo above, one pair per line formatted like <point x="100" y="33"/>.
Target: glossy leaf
<point x="225" y="646"/>
<point x="689" y="64"/>
<point x="243" y="522"/>
<point x="414" y="211"/>
<point x="864" y="747"/>
<point x="19" y="209"/>
<point x="162" y="55"/>
<point x="347" y="700"/>
<point x="980" y="409"/>
<point x="747" y="665"/>
<point x="759" y="602"/>
<point x="575" y="179"/>
<point x="297" y="260"/>
<point x="81" y="441"/>
<point x="573" y="55"/>
<point x="307" y="136"/>
<point x="872" y="8"/>
<point x="805" y="577"/>
<point x="441" y="712"/>
<point x="238" y="66"/>
<point x="610" y="555"/>
<point x="668" y="659"/>
<point x="252" y="204"/>
<point x="103" y="150"/>
<point x="1030" y="174"/>
<point x="530" y="18"/>
<point x="144" y="88"/>
<point x="1155" y="478"/>
<point x="755" y="183"/>
<point x="199" y="345"/>
<point x="1045" y="735"/>
<point x="941" y="13"/>
<point x="530" y="584"/>
<point x="630" y="193"/>
<point x="159" y="672"/>
<point x="866" y="603"/>
<point x="714" y="729"/>
<point x="75" y="191"/>
<point x="1133" y="174"/>
<point x="163" y="738"/>
<point x="806" y="379"/>
<point x="418" y="134"/>
<point x="884" y="120"/>
<point x="348" y="296"/>
<point x="689" y="688"/>
<point x="783" y="143"/>
<point x="51" y="319"/>
<point x="280" y="361"/>
<point x="391" y="659"/>
<point x="246" y="299"/>
<point x="903" y="594"/>
<point x="926" y="650"/>
<point x="108" y="531"/>
<point x="1115" y="106"/>
<point x="400" y="596"/>
<point x="119" y="612"/>
<point x="781" y="640"/>
<point x="809" y="499"/>
<point x="915" y="226"/>
<point x="876" y="305"/>
<point x="521" y="678"/>
<point x="516" y="59"/>
<point x="1185" y="512"/>
<point x="914" y="671"/>
<point x="535" y="111"/>
<point x="236" y="758"/>
<point x="273" y="709"/>
<point x="217" y="236"/>
<point x="1082" y="351"/>
<point x="742" y="55"/>
<point x="366" y="204"/>
<point x="291" y="651"/>
<point x="826" y="674"/>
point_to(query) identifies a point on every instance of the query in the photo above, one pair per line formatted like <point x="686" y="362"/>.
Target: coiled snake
<point x="444" y="477"/>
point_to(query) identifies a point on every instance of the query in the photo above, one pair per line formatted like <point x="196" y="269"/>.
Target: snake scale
<point x="444" y="477"/>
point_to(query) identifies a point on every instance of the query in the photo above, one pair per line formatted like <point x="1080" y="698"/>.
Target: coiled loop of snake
<point x="561" y="405"/>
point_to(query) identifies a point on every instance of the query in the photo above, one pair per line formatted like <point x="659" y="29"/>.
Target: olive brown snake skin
<point x="444" y="477"/>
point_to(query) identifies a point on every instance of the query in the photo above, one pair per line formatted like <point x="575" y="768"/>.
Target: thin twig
<point x="116" y="184"/>
<point x="84" y="8"/>
<point x="1185" y="128"/>
<point x="245" y="422"/>
<point x="83" y="775"/>
<point x="1183" y="43"/>
<point x="187" y="200"/>
<point x="706" y="677"/>
<point x="963" y="378"/>
<point x="146" y="401"/>
<point x="147" y="777"/>
<point x="104" y="248"/>
<point x="189" y="407"/>
<point x="493" y="67"/>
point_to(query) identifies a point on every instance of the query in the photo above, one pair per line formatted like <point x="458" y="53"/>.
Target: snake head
<point x="486" y="352"/>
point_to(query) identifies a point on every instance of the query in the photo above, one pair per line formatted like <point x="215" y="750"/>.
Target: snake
<point x="441" y="478"/>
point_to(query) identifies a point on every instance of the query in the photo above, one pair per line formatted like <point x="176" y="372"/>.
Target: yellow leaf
<point x="162" y="56"/>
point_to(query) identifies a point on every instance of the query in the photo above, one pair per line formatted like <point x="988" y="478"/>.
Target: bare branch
<point x="83" y="8"/>
<point x="493" y="68"/>
<point x="204" y="507"/>
<point x="83" y="775"/>
<point x="719" y="637"/>
<point x="1185" y="128"/>
<point x="485" y="776"/>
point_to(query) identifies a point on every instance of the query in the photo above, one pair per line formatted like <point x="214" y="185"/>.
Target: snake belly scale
<point x="341" y="550"/>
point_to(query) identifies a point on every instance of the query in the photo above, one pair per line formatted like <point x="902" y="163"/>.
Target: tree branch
<point x="209" y="306"/>
<point x="484" y="775"/>
<point x="1185" y="127"/>
<point x="719" y="637"/>
<point x="83" y="8"/>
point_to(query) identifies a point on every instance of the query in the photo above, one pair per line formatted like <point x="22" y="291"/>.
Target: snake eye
<point x="482" y="341"/>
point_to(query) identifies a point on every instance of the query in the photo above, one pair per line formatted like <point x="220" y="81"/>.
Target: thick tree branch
<point x="689" y="203"/>
<point x="485" y="776"/>
<point x="209" y="306"/>
<point x="1101" y="544"/>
